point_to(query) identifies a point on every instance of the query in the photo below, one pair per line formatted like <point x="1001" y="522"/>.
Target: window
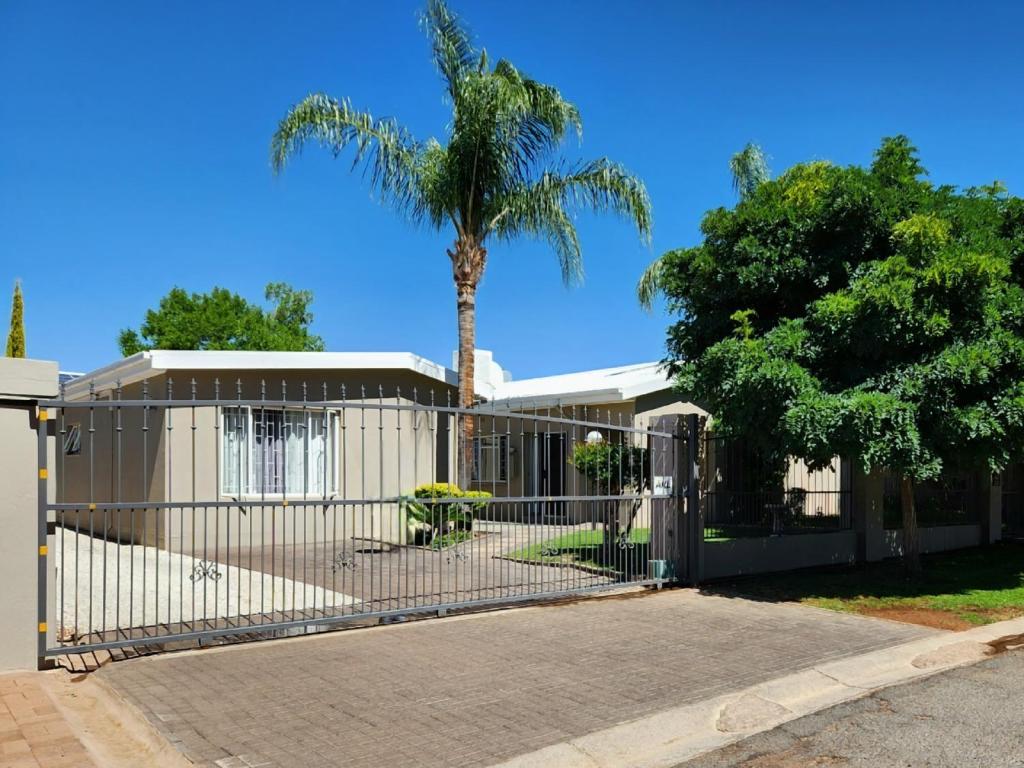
<point x="490" y="459"/>
<point x="275" y="451"/>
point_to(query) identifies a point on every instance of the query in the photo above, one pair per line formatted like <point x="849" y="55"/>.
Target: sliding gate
<point x="188" y="518"/>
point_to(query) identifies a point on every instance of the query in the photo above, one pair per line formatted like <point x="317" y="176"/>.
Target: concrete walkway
<point x="480" y="690"/>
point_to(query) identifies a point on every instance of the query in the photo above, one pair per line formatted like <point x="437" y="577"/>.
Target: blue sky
<point x="135" y="140"/>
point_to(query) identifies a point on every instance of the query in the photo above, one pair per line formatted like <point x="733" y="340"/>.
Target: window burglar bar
<point x="283" y="507"/>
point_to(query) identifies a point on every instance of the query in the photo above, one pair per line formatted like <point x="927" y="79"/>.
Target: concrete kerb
<point x="673" y="736"/>
<point x="113" y="732"/>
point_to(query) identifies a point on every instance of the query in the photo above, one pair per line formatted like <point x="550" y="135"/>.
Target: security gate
<point x="200" y="516"/>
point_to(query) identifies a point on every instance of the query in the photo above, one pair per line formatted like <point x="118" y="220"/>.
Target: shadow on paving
<point x="475" y="691"/>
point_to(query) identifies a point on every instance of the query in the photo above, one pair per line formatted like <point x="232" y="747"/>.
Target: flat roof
<point x="145" y="365"/>
<point x="604" y="385"/>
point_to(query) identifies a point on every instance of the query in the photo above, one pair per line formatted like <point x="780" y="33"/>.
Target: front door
<point x="544" y="458"/>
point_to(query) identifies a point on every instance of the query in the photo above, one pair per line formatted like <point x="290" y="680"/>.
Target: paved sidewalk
<point x="33" y="733"/>
<point x="478" y="690"/>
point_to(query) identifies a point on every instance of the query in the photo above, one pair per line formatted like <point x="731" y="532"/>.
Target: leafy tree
<point x="16" y="335"/>
<point x="491" y="180"/>
<point x="749" y="168"/>
<point x="863" y="312"/>
<point x="224" y="320"/>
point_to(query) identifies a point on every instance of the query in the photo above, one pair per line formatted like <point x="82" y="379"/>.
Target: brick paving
<point x="33" y="733"/>
<point x="478" y="690"/>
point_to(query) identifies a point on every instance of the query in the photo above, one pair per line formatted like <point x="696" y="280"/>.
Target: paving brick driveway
<point x="472" y="691"/>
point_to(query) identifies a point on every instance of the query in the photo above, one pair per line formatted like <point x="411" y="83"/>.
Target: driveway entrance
<point x="477" y="690"/>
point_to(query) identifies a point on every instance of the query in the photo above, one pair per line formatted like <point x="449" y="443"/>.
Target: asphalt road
<point x="971" y="716"/>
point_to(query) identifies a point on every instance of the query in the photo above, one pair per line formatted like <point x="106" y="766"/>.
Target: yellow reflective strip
<point x="284" y="502"/>
<point x="42" y="414"/>
<point x="92" y="506"/>
<point x="42" y="550"/>
<point x="42" y="626"/>
<point x="42" y="474"/>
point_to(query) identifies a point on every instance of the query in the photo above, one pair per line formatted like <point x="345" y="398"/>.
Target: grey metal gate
<point x="196" y="515"/>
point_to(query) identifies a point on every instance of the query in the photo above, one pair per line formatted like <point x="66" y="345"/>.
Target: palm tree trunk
<point x="468" y="259"/>
<point x="467" y="346"/>
<point x="911" y="542"/>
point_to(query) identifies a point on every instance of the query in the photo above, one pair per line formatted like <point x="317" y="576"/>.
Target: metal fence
<point x="953" y="499"/>
<point x="742" y="497"/>
<point x="198" y="515"/>
<point x="1012" y="482"/>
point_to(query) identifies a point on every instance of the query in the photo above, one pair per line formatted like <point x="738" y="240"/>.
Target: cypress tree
<point x="16" y="336"/>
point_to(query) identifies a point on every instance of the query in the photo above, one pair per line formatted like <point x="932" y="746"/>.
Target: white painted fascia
<point x="145" y="365"/>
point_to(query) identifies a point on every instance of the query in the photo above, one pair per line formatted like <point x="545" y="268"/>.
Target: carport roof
<point x="144" y="365"/>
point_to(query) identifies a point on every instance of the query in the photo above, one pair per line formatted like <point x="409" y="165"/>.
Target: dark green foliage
<point x="16" y="335"/>
<point x="612" y="467"/>
<point x="858" y="311"/>
<point x="224" y="320"/>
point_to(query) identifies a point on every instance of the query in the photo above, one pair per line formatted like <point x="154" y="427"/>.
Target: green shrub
<point x="435" y="522"/>
<point x="613" y="467"/>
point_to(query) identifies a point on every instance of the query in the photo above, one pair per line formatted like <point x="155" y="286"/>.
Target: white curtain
<point x="321" y="453"/>
<point x="234" y="451"/>
<point x="295" y="435"/>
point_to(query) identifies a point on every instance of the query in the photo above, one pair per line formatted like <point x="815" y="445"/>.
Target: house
<point x="530" y="455"/>
<point x="253" y="435"/>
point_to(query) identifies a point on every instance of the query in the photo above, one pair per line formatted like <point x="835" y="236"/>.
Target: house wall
<point x="381" y="453"/>
<point x="121" y="459"/>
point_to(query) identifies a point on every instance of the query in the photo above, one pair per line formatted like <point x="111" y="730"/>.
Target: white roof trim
<point x="145" y="365"/>
<point x="606" y="385"/>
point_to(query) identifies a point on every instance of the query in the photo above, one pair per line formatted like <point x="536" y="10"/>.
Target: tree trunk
<point x="468" y="259"/>
<point x="467" y="346"/>
<point x="911" y="542"/>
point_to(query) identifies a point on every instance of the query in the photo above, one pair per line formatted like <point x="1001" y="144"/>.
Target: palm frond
<point x="649" y="285"/>
<point x="542" y="208"/>
<point x="388" y="150"/>
<point x="540" y="107"/>
<point x="454" y="55"/>
<point x="749" y="168"/>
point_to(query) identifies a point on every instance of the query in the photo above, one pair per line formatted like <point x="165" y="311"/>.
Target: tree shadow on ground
<point x="970" y="573"/>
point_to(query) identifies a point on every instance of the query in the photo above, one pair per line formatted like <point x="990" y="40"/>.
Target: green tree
<point x="749" y="169"/>
<point x="862" y="312"/>
<point x="493" y="178"/>
<point x="16" y="335"/>
<point x="224" y="320"/>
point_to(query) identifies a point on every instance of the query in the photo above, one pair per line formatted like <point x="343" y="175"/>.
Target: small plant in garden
<point x="441" y="523"/>
<point x="612" y="467"/>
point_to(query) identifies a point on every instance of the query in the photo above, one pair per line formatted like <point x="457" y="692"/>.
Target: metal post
<point x="41" y="531"/>
<point x="694" y="512"/>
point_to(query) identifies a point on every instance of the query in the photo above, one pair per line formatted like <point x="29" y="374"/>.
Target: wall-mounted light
<point x="594" y="437"/>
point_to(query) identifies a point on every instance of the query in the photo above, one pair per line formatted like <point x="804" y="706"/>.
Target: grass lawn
<point x="574" y="548"/>
<point x="958" y="589"/>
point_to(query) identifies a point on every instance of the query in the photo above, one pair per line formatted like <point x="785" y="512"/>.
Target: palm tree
<point x="492" y="180"/>
<point x="749" y="168"/>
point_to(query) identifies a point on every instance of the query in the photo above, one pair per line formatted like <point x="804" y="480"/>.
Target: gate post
<point x="690" y="472"/>
<point x="24" y="451"/>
